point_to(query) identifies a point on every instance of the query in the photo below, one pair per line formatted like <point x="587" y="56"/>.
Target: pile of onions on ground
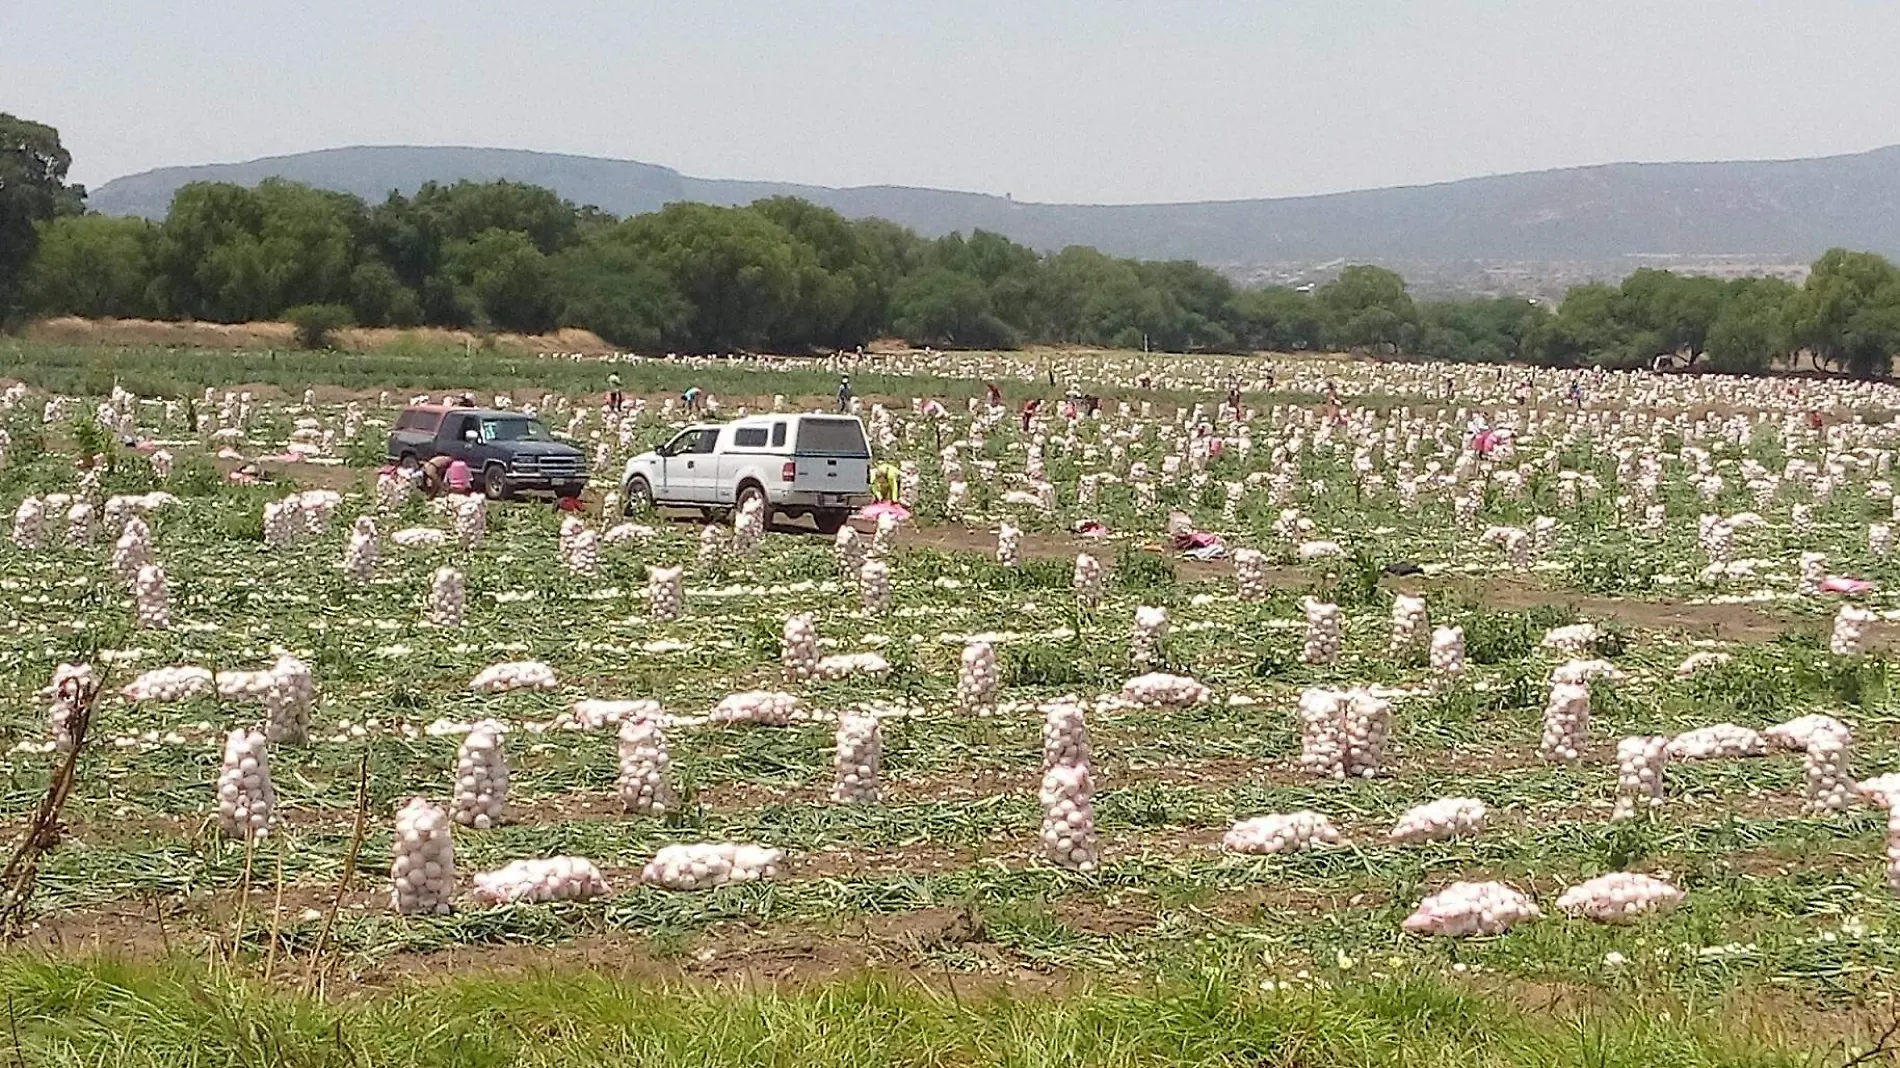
<point x="1281" y="832"/>
<point x="180" y="682"/>
<point x="1464" y="910"/>
<point x="1160" y="690"/>
<point x="1619" y="897"/>
<point x="514" y="675"/>
<point x="765" y="708"/>
<point x="1718" y="741"/>
<point x="1440" y="821"/>
<point x="706" y="865"/>
<point x="550" y="879"/>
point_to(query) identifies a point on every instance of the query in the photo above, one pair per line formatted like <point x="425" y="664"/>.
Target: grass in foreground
<point x="106" y="1013"/>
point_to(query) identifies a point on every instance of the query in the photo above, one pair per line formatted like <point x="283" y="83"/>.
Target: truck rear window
<point x="831" y="437"/>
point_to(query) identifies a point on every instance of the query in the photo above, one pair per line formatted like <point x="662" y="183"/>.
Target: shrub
<point x="316" y="323"/>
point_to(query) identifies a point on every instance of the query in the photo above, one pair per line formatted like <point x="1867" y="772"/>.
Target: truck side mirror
<point x="468" y="435"/>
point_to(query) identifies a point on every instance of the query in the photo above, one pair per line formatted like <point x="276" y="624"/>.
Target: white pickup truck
<point x="795" y="465"/>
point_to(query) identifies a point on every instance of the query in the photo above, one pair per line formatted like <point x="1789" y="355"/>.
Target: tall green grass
<point x="99" y="1013"/>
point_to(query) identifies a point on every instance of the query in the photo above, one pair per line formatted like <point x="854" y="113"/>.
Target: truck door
<point x="680" y="460"/>
<point x="455" y="439"/>
<point x="701" y="469"/>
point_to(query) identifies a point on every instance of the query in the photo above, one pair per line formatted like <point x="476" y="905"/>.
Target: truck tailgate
<point x="831" y="456"/>
<point x="832" y="474"/>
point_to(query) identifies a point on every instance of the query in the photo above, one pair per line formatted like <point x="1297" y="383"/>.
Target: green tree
<point x="1848" y="313"/>
<point x="1484" y="330"/>
<point x="737" y="271"/>
<point x="1752" y="329"/>
<point x="33" y="191"/>
<point x="378" y="297"/>
<point x="93" y="266"/>
<point x="1279" y="319"/>
<point x="1587" y="329"/>
<point x="843" y="287"/>
<point x="1676" y="311"/>
<point x="948" y="308"/>
<point x="508" y="279"/>
<point x="1369" y="308"/>
<point x="231" y="254"/>
<point x="618" y="292"/>
<point x="317" y="324"/>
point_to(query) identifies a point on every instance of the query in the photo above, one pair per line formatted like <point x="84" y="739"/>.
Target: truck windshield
<point x="831" y="437"/>
<point x="513" y="430"/>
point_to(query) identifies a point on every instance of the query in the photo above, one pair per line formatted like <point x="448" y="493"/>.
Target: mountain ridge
<point x="1790" y="208"/>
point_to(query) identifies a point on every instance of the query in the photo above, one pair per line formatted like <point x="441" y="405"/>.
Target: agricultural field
<point x="1006" y="810"/>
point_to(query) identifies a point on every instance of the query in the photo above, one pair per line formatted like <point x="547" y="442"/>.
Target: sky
<point x="1107" y="101"/>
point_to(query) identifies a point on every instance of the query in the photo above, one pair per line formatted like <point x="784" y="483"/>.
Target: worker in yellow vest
<point x="886" y="481"/>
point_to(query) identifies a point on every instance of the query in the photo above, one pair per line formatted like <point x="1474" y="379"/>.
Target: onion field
<point x="1408" y="714"/>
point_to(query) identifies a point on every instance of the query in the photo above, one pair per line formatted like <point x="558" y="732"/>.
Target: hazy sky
<point x="1070" y="101"/>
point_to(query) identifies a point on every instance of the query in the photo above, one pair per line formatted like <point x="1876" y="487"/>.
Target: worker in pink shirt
<point x="458" y="477"/>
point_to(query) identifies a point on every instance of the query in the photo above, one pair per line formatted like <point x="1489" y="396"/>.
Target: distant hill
<point x="1778" y="211"/>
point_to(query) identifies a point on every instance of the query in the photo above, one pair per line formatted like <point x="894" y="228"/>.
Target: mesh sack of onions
<point x="706" y="865"/>
<point x="481" y="778"/>
<point x="246" y="803"/>
<point x="1619" y="897"/>
<point x="763" y="708"/>
<point x="1440" y="821"/>
<point x="645" y="767"/>
<point x="860" y="747"/>
<point x="1068" y="817"/>
<point x="422" y="869"/>
<point x="1281" y="832"/>
<point x="535" y="881"/>
<point x="1464" y="910"/>
<point x="514" y="675"/>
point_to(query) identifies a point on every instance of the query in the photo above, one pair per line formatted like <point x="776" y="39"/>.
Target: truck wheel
<point x="408" y="462"/>
<point x="639" y="495"/>
<point x="495" y="482"/>
<point x="751" y="491"/>
<point x="830" y="522"/>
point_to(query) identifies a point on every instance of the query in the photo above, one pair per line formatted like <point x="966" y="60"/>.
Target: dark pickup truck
<point x="507" y="453"/>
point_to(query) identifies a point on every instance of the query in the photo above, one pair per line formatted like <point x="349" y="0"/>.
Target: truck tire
<point x="639" y="496"/>
<point x="752" y="490"/>
<point x="495" y="482"/>
<point x="830" y="521"/>
<point x="408" y="462"/>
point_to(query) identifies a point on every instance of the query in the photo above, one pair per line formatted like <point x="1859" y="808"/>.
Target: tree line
<point x="787" y="275"/>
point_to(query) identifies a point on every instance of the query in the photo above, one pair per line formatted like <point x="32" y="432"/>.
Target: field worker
<point x="844" y="393"/>
<point x="886" y="482"/>
<point x="613" y="392"/>
<point x="691" y="397"/>
<point x="992" y="397"/>
<point x="433" y="472"/>
<point x="1233" y="395"/>
<point x="459" y="478"/>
